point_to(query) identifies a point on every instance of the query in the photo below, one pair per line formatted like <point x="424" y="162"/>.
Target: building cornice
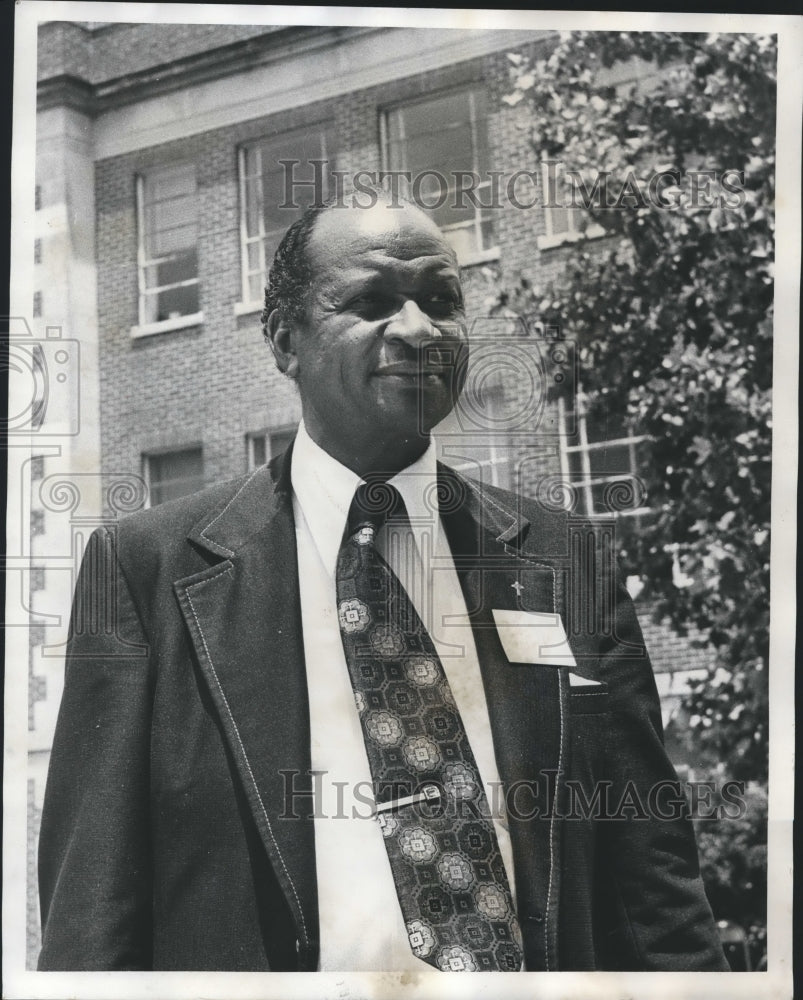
<point x="281" y="71"/>
<point x="67" y="90"/>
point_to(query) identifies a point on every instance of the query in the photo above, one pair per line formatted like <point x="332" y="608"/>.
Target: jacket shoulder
<point x="545" y="527"/>
<point x="178" y="517"/>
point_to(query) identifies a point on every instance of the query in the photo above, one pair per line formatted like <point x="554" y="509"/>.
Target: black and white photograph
<point x="402" y="461"/>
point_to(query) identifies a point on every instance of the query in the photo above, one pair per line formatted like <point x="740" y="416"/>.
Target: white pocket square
<point x="575" y="680"/>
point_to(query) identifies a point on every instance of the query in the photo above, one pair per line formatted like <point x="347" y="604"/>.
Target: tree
<point x="672" y="311"/>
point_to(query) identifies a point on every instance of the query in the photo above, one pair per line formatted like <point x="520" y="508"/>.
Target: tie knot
<point x="373" y="504"/>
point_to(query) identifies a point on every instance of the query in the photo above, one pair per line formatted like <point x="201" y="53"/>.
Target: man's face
<point x="382" y="346"/>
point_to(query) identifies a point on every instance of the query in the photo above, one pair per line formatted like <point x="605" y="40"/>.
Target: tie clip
<point x="427" y="794"/>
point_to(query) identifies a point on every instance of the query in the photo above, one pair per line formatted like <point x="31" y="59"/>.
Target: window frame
<point x="265" y="434"/>
<point x="478" y="255"/>
<point x="246" y="303"/>
<point x="143" y="326"/>
<point x="465" y="450"/>
<point x="583" y="449"/>
<point x="550" y="238"/>
<point x="147" y="457"/>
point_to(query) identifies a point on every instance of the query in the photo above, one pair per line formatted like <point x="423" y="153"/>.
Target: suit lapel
<point x="244" y="618"/>
<point x="526" y="703"/>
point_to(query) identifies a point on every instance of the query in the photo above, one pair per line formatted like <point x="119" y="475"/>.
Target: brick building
<point x="159" y="190"/>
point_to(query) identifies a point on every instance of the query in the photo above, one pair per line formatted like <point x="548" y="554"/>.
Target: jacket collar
<point x="248" y="511"/>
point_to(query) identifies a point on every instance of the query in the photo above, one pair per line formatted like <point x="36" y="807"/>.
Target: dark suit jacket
<point x="168" y="839"/>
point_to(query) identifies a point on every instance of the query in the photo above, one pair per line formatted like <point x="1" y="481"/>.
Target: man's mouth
<point x="409" y="369"/>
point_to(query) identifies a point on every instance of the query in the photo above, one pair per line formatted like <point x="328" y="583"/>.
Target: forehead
<point x="379" y="239"/>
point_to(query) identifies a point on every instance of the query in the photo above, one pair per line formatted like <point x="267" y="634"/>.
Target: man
<point x="277" y="645"/>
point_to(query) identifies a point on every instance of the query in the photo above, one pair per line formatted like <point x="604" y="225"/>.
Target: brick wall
<point x="214" y="383"/>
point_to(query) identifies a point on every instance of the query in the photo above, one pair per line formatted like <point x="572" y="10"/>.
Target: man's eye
<point x="370" y="302"/>
<point x="440" y="304"/>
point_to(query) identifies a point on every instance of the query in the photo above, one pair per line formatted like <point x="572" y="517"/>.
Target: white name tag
<point x="533" y="637"/>
<point x="537" y="637"/>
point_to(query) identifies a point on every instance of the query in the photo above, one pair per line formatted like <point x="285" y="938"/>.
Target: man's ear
<point x="282" y="338"/>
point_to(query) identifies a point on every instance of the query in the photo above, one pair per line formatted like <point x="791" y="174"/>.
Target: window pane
<point x="180" y="267"/>
<point x="603" y="425"/>
<point x="169" y="243"/>
<point x="171" y="297"/>
<point x="258" y="451"/>
<point x="478" y="444"/>
<point x="174" y="474"/>
<point x="610" y="460"/>
<point x="175" y="302"/>
<point x="253" y="205"/>
<point x="575" y="463"/>
<point x="616" y="496"/>
<point x="487" y="233"/>
<point x="170" y="182"/>
<point x="253" y="256"/>
<point x="286" y="196"/>
<point x="253" y="161"/>
<point x="269" y="184"/>
<point x="271" y="444"/>
<point x="559" y="221"/>
<point x="445" y="134"/>
<point x="280" y="441"/>
<point x="256" y="288"/>
<point x="463" y="242"/>
<point x="447" y="111"/>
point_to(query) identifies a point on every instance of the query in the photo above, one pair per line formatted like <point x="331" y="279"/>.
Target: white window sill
<point x="479" y="257"/>
<point x="559" y="239"/>
<point x="167" y="325"/>
<point x="246" y="308"/>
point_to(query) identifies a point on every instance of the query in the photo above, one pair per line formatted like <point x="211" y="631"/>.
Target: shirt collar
<point x="324" y="490"/>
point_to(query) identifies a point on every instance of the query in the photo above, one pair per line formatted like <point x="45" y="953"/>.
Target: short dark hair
<point x="290" y="274"/>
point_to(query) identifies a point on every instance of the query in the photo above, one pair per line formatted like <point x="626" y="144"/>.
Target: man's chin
<point x="406" y="426"/>
<point x="417" y="412"/>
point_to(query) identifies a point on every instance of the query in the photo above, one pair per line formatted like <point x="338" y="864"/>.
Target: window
<point x="564" y="219"/>
<point x="265" y="445"/>
<point x="603" y="462"/>
<point x="167" y="205"/>
<point x="443" y="142"/>
<point x="173" y="474"/>
<point x="273" y="194"/>
<point x="473" y="440"/>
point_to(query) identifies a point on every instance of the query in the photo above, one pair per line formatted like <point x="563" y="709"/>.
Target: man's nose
<point x="411" y="325"/>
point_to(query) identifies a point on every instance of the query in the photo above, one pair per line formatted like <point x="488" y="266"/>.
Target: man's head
<point x="364" y="310"/>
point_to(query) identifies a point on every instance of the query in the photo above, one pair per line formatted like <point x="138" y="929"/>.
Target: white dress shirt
<point x="362" y="929"/>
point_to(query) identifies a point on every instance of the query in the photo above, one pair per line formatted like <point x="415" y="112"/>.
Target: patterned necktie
<point x="430" y="802"/>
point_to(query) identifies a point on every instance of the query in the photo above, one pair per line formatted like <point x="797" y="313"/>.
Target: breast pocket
<point x="591" y="699"/>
